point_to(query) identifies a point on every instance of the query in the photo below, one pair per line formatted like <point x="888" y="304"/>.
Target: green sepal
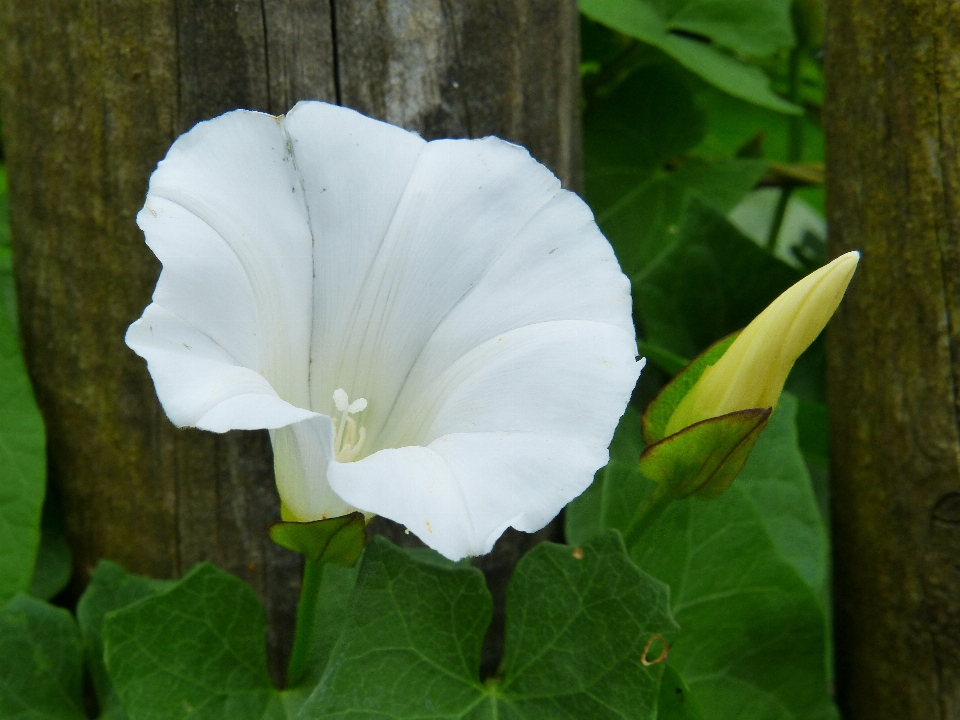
<point x="658" y="412"/>
<point x="338" y="540"/>
<point x="702" y="459"/>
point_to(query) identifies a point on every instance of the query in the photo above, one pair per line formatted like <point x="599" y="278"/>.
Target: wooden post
<point x="893" y="127"/>
<point x="93" y="95"/>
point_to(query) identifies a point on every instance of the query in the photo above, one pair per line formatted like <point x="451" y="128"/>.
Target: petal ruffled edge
<point x="462" y="491"/>
<point x="199" y="384"/>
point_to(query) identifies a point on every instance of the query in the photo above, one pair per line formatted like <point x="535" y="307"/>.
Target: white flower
<point x="432" y="332"/>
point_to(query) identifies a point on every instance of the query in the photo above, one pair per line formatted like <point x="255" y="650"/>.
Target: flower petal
<point x="461" y="208"/>
<point x="560" y="267"/>
<point x="521" y="424"/>
<point x="566" y="378"/>
<point x="355" y="170"/>
<point x="199" y="383"/>
<point x="302" y="454"/>
<point x="225" y="215"/>
<point x="461" y="492"/>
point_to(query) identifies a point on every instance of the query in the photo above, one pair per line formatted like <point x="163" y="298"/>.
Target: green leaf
<point x="196" y="649"/>
<point x="110" y="588"/>
<point x="746" y="572"/>
<point x="654" y="421"/>
<point x="40" y="666"/>
<point x="733" y="124"/>
<point x="676" y="701"/>
<point x="648" y="119"/>
<point x="753" y="27"/>
<point x="338" y="540"/>
<point x="742" y="570"/>
<point x="412" y="643"/>
<point x="22" y="468"/>
<point x="729" y="23"/>
<point x="776" y="480"/>
<point x="709" y="283"/>
<point x="629" y="135"/>
<point x="574" y="639"/>
<point x="578" y="624"/>
<point x="753" y="642"/>
<point x="54" y="564"/>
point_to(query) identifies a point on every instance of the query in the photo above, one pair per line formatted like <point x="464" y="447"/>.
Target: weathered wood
<point x="468" y="68"/>
<point x="893" y="123"/>
<point x="93" y="95"/>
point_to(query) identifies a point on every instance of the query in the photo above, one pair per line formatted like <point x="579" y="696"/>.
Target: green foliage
<point x="710" y="282"/>
<point x="22" y="468"/>
<point x="338" y="540"/>
<point x="110" y="589"/>
<point x="404" y="641"/>
<point x="321" y="618"/>
<point x="618" y="490"/>
<point x="746" y="572"/>
<point x="675" y="701"/>
<point x="577" y="625"/>
<point x="54" y="564"/>
<point x="40" y="666"/>
<point x="668" y="24"/>
<point x="777" y="482"/>
<point x="630" y="133"/>
<point x="196" y="649"/>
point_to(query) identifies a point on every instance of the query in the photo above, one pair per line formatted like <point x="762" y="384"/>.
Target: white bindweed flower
<point x="434" y="332"/>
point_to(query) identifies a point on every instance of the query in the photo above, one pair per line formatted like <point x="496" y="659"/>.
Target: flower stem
<point x="306" y="614"/>
<point x="645" y="517"/>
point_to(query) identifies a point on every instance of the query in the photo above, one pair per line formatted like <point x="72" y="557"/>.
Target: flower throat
<point x="349" y="439"/>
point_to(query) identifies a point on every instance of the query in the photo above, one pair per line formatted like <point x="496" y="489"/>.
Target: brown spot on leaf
<point x="664" y="650"/>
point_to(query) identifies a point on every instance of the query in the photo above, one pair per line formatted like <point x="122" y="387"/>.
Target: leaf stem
<point x="306" y="613"/>
<point x="778" y="214"/>
<point x="795" y="140"/>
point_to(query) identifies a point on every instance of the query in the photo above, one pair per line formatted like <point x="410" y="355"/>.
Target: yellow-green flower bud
<point x="751" y="373"/>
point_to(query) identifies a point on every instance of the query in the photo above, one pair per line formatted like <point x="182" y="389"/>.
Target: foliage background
<point x="703" y="165"/>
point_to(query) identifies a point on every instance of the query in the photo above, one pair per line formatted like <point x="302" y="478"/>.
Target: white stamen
<point x="349" y="439"/>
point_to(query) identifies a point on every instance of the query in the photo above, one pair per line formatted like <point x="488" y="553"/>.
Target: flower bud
<point x="752" y="371"/>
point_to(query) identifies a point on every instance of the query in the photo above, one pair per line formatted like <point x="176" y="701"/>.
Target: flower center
<point x="349" y="438"/>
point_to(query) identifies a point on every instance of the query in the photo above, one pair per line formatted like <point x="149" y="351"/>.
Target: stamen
<point x="349" y="439"/>
<point x="349" y="453"/>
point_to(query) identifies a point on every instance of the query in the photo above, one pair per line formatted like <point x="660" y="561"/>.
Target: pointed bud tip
<point x="752" y="371"/>
<point x="839" y="272"/>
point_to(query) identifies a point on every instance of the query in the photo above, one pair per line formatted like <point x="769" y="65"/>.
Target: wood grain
<point x="893" y="174"/>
